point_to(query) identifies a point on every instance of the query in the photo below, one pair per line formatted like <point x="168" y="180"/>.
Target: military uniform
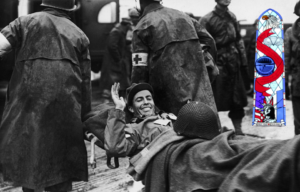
<point x="292" y="67"/>
<point x="167" y="54"/>
<point x="251" y="48"/>
<point x="116" y="62"/>
<point x="229" y="90"/>
<point x="123" y="139"/>
<point x="41" y="133"/>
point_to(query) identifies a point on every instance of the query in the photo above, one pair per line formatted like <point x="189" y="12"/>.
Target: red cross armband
<point x="140" y="59"/>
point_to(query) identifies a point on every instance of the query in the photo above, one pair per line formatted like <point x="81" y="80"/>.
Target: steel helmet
<point x="67" y="5"/>
<point x="138" y="5"/>
<point x="197" y="120"/>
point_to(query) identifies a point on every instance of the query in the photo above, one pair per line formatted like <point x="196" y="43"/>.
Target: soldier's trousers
<point x="296" y="111"/>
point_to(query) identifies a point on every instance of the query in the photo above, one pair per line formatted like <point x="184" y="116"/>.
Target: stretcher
<point x="95" y="123"/>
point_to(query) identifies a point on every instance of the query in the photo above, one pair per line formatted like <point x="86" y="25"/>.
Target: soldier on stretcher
<point x="191" y="154"/>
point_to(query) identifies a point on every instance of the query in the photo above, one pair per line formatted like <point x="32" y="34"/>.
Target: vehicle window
<point x="23" y="8"/>
<point x="108" y="13"/>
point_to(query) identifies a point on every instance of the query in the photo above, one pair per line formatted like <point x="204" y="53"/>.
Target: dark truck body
<point x="8" y="12"/>
<point x="250" y="29"/>
<point x="86" y="17"/>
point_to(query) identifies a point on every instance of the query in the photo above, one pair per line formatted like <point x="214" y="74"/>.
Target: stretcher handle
<point x="108" y="162"/>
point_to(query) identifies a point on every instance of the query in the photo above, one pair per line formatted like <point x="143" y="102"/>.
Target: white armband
<point x="5" y="46"/>
<point x="139" y="59"/>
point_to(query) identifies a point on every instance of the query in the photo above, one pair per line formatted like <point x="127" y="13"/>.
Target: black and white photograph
<point x="149" y="95"/>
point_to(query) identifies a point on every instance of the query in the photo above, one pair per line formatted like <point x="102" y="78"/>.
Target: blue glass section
<point x="280" y="107"/>
<point x="259" y="100"/>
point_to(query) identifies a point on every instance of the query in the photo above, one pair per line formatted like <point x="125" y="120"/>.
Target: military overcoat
<point x="292" y="57"/>
<point x="116" y="61"/>
<point x="168" y="55"/>
<point x="229" y="90"/>
<point x="41" y="133"/>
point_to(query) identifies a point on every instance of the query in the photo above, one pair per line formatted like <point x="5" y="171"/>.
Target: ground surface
<point x="103" y="179"/>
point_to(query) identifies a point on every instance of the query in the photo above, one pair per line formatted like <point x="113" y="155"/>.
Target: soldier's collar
<point x="151" y="7"/>
<point x="56" y="13"/>
<point x="221" y="12"/>
<point x="142" y="118"/>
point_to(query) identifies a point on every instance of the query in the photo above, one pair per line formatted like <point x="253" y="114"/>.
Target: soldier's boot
<point x="237" y="123"/>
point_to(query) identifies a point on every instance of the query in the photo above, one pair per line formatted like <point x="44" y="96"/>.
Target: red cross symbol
<point x="137" y="59"/>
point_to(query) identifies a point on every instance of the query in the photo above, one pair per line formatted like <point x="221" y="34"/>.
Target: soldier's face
<point x="224" y="3"/>
<point x="135" y="20"/>
<point x="143" y="104"/>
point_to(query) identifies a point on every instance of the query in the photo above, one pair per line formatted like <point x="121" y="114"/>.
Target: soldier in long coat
<point x="229" y="91"/>
<point x="168" y="55"/>
<point x="292" y="63"/>
<point x="115" y="63"/>
<point x="41" y="133"/>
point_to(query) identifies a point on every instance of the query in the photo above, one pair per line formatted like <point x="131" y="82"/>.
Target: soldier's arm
<point x="205" y="37"/>
<point x="86" y="89"/>
<point x="209" y="50"/>
<point x="139" y="59"/>
<point x="10" y="36"/>
<point x="242" y="51"/>
<point x="287" y="51"/>
<point x="5" y="46"/>
<point x="118" y="142"/>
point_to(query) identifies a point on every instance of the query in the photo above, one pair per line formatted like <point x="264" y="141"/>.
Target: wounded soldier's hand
<point x="119" y="101"/>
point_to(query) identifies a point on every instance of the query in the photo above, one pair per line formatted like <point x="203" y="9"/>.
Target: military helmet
<point x="133" y="13"/>
<point x="67" y="5"/>
<point x="197" y="120"/>
<point x="297" y="9"/>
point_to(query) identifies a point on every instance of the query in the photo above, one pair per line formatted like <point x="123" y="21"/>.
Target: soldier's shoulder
<point x="30" y="16"/>
<point x="168" y="9"/>
<point x="208" y="16"/>
<point x="116" y="29"/>
<point x="37" y="15"/>
<point x="144" y="22"/>
<point x="288" y="30"/>
<point x="232" y="15"/>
